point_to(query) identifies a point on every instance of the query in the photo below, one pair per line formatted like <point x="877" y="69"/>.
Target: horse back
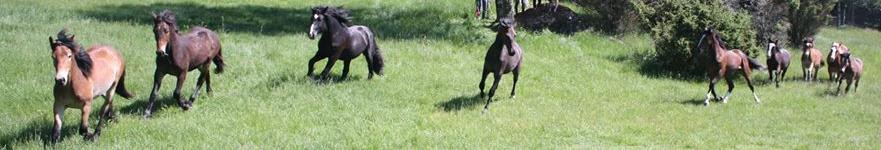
<point x="107" y="67"/>
<point x="202" y="45"/>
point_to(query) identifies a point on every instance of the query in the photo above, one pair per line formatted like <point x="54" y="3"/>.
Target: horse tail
<point x="120" y="87"/>
<point x="374" y="52"/>
<point x="218" y="61"/>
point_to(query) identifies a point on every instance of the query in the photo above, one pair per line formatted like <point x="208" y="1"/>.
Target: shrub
<point x="618" y="16"/>
<point x="807" y="16"/>
<point x="675" y="26"/>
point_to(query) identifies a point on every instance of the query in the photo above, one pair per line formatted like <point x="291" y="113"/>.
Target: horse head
<point x="322" y="14"/>
<point x="808" y="42"/>
<point x="772" y="46"/>
<point x="63" y="51"/>
<point x="845" y="61"/>
<point x="507" y="32"/>
<point x="164" y="27"/>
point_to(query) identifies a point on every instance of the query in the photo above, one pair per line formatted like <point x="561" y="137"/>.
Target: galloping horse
<point x="80" y="76"/>
<point x="834" y="62"/>
<point x="504" y="56"/>
<point x="721" y="62"/>
<point x="339" y="41"/>
<point x="178" y="54"/>
<point x="778" y="62"/>
<point x="811" y="60"/>
<point x="852" y="69"/>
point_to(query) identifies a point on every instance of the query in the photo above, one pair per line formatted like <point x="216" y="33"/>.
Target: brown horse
<point x="80" y="76"/>
<point x="504" y="56"/>
<point x="721" y="62"/>
<point x="834" y="62"/>
<point x="811" y="60"/>
<point x="178" y="54"/>
<point x="778" y="62"/>
<point x="852" y="69"/>
<point x="339" y="41"/>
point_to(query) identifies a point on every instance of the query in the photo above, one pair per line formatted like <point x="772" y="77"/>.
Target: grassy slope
<point x="576" y="92"/>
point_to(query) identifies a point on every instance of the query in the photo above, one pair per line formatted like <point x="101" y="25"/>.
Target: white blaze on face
<point x="62" y="73"/>
<point x="770" y="46"/>
<point x="834" y="50"/>
<point x="312" y="31"/>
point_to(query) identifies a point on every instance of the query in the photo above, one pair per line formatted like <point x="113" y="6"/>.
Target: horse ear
<point x="72" y="37"/>
<point x="51" y="41"/>
<point x="777" y="41"/>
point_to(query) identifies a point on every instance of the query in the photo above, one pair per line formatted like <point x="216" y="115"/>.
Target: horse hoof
<point x="482" y="95"/>
<point x="706" y="103"/>
<point x="186" y="105"/>
<point x="513" y="97"/>
<point x="89" y="137"/>
<point x="485" y="111"/>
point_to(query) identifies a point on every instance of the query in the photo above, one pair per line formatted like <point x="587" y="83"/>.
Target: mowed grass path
<point x="583" y="91"/>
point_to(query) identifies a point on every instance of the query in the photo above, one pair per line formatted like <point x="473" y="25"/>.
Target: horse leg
<point x="157" y="82"/>
<point x="208" y="82"/>
<point x="730" y="82"/>
<point x="516" y="73"/>
<point x="856" y="83"/>
<point x="84" y="124"/>
<point x="185" y="105"/>
<point x="497" y="75"/>
<point x="312" y="61"/>
<point x="325" y="74"/>
<point x="770" y="74"/>
<point x="58" y="113"/>
<point x="712" y="90"/>
<point x="345" y="74"/>
<point x="104" y="113"/>
<point x="782" y="75"/>
<point x="847" y="88"/>
<point x="370" y="67"/>
<point x="483" y="81"/>
<point x="203" y="73"/>
<point x="838" y="88"/>
<point x="749" y="83"/>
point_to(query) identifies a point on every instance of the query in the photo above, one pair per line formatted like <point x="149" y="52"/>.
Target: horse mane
<point x="341" y="15"/>
<point x="167" y="16"/>
<point x="81" y="57"/>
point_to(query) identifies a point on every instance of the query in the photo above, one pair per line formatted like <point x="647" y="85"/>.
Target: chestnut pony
<point x="834" y="62"/>
<point x="721" y="62"/>
<point x="504" y="56"/>
<point x="811" y="60"/>
<point x="80" y="76"/>
<point x="851" y="70"/>
<point x="178" y="54"/>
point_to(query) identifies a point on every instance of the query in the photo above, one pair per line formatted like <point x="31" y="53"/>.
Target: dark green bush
<point x="614" y="16"/>
<point x="675" y="26"/>
<point x="807" y="16"/>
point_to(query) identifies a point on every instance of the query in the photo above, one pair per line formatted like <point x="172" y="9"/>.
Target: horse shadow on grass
<point x="460" y="102"/>
<point x="39" y="129"/>
<point x="283" y="79"/>
<point x="434" y="23"/>
<point x="137" y="108"/>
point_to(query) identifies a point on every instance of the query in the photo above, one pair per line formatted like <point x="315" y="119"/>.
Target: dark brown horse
<point x="811" y="60"/>
<point x="851" y="70"/>
<point x="80" y="76"/>
<point x="721" y="62"/>
<point x="178" y="54"/>
<point x="834" y="62"/>
<point x="555" y="2"/>
<point x="504" y="56"/>
<point x="339" y="41"/>
<point x="778" y="62"/>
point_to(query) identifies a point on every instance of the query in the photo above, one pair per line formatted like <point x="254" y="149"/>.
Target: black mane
<point x="80" y="56"/>
<point x="341" y="15"/>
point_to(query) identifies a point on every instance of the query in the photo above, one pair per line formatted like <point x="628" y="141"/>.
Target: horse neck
<point x="334" y="27"/>
<point x="77" y="76"/>
<point x="173" y="42"/>
<point x="718" y="50"/>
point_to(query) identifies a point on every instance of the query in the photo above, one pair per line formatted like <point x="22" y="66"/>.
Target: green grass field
<point x="588" y="90"/>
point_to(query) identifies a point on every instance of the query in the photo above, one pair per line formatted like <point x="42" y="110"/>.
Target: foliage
<point x="807" y="16"/>
<point x="616" y="16"/>
<point x="675" y="26"/>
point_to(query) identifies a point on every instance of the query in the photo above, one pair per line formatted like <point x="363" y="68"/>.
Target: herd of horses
<point x="720" y="62"/>
<point x="83" y="74"/>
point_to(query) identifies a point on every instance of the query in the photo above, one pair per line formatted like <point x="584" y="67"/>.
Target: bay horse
<point x="811" y="60"/>
<point x="721" y="62"/>
<point x="342" y="41"/>
<point x="834" y="62"/>
<point x="503" y="56"/>
<point x="178" y="54"/>
<point x="80" y="76"/>
<point x="778" y="62"/>
<point x="851" y="70"/>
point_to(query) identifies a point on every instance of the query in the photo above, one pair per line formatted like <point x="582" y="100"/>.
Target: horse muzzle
<point x="311" y="36"/>
<point x="161" y="53"/>
<point x="61" y="81"/>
